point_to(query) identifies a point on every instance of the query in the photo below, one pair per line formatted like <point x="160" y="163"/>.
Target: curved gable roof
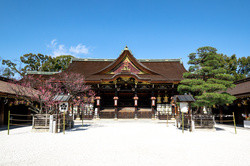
<point x="126" y="54"/>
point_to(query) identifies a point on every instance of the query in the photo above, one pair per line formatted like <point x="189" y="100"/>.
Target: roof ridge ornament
<point x="126" y="48"/>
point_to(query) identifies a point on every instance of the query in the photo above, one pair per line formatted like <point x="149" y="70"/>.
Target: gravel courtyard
<point x="126" y="142"/>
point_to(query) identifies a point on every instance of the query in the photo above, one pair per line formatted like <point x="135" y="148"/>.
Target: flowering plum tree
<point x="35" y="90"/>
<point x="74" y="84"/>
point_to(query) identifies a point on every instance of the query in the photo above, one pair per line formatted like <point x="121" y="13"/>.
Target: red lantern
<point x="98" y="100"/>
<point x="115" y="101"/>
<point x="136" y="100"/>
<point x="153" y="101"/>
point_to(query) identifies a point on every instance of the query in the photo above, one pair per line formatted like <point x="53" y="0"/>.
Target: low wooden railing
<point x="144" y="114"/>
<point x="164" y="116"/>
<point x="107" y="115"/>
<point x="126" y="115"/>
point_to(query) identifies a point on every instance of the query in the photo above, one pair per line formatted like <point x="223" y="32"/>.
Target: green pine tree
<point x="207" y="78"/>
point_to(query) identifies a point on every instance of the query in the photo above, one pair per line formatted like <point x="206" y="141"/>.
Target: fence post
<point x="182" y="122"/>
<point x="9" y="122"/>
<point x="46" y="120"/>
<point x="167" y="119"/>
<point x="82" y="118"/>
<point x="63" y="122"/>
<point x="33" y="121"/>
<point x="234" y="124"/>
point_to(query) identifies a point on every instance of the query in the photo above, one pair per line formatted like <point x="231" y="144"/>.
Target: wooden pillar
<point x="190" y="116"/>
<point x="1" y="111"/>
<point x="136" y="105"/>
<point x="152" y="106"/>
<point x="153" y="103"/>
<point x="136" y="101"/>
<point x="115" y="105"/>
<point x="116" y="102"/>
<point x="175" y="109"/>
<point x="98" y="101"/>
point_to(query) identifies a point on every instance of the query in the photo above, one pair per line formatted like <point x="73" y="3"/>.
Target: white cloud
<point x="79" y="49"/>
<point x="53" y="43"/>
<point x="57" y="50"/>
<point x="60" y="50"/>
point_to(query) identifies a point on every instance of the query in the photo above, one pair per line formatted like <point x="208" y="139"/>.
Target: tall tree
<point x="59" y="63"/>
<point x="32" y="62"/>
<point x="38" y="62"/>
<point x="244" y="66"/>
<point x="239" y="68"/>
<point x="7" y="73"/>
<point x="206" y="77"/>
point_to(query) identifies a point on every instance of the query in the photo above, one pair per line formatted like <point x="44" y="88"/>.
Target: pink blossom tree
<point x="34" y="90"/>
<point x="74" y="84"/>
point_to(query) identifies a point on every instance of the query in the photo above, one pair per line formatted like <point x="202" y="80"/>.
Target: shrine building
<point x="127" y="87"/>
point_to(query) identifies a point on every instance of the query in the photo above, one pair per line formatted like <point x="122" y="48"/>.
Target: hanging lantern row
<point x="85" y="98"/>
<point x="165" y="99"/>
<point x="158" y="99"/>
<point x="92" y="100"/>
<point x="19" y="102"/>
<point x="244" y="102"/>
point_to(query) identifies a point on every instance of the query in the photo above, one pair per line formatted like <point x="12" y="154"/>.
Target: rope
<point x="223" y="120"/>
<point x="20" y="115"/>
<point x="27" y="124"/>
<point x="218" y="116"/>
<point x="19" y="120"/>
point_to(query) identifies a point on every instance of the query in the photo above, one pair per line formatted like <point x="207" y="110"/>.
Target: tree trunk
<point x="221" y="115"/>
<point x="41" y="107"/>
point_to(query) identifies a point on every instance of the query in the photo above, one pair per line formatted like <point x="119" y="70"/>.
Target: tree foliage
<point x="37" y="62"/>
<point x="244" y="66"/>
<point x="208" y="74"/>
<point x="56" y="64"/>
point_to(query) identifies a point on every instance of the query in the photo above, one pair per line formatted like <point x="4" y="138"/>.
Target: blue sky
<point x="101" y="29"/>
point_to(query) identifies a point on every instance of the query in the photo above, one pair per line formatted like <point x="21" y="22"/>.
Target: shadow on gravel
<point x="13" y="127"/>
<point x="219" y="129"/>
<point x="85" y="127"/>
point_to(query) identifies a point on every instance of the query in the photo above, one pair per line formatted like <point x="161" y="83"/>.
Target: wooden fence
<point x="42" y="121"/>
<point x="126" y="115"/>
<point x="164" y="116"/>
<point x="144" y="114"/>
<point x="203" y="121"/>
<point x="107" y="115"/>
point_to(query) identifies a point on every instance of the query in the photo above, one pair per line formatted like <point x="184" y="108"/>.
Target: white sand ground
<point x="128" y="143"/>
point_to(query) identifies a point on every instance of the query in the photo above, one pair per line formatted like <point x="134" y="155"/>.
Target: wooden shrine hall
<point x="127" y="87"/>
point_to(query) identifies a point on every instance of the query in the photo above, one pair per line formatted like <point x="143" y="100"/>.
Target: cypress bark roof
<point x="242" y="88"/>
<point x="152" y="70"/>
<point x="169" y="70"/>
<point x="11" y="89"/>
